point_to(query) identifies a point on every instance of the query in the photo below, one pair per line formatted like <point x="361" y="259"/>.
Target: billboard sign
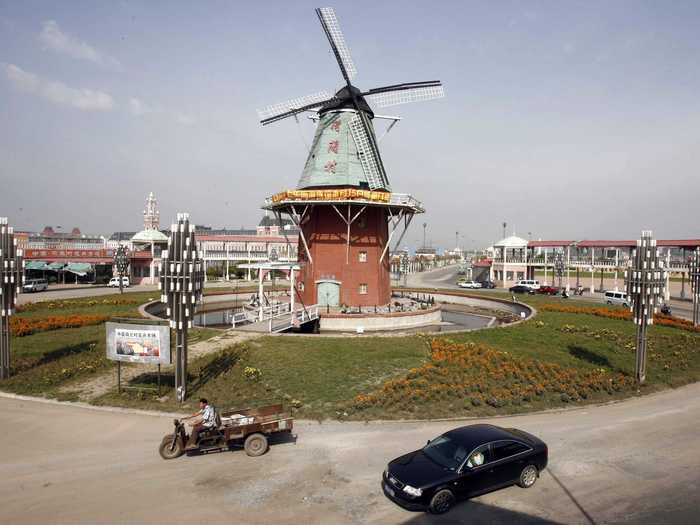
<point x="138" y="343"/>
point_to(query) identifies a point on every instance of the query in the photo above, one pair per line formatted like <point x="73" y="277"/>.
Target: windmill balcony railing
<point x="404" y="199"/>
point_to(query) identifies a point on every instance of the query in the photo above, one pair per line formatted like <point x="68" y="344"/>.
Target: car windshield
<point x="445" y="452"/>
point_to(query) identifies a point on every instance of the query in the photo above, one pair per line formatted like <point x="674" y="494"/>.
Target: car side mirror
<point x="427" y="443"/>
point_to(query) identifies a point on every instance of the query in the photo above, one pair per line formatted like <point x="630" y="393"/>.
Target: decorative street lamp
<point x="559" y="267"/>
<point x="694" y="275"/>
<point x="11" y="280"/>
<point x="121" y="261"/>
<point x="645" y="279"/>
<point x="403" y="266"/>
<point x="181" y="285"/>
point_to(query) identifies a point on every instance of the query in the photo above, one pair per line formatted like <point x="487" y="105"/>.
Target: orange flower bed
<point x="619" y="313"/>
<point x="20" y="327"/>
<point x="477" y="374"/>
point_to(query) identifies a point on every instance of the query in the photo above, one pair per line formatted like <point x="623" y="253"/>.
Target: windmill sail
<point x="292" y="107"/>
<point x="368" y="152"/>
<point x="335" y="36"/>
<point x="394" y="98"/>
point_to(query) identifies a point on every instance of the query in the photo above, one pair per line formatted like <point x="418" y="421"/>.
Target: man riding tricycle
<point x="248" y="428"/>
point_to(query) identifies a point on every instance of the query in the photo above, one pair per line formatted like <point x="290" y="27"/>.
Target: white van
<point x="35" y="285"/>
<point x="616" y="298"/>
<point x="114" y="282"/>
<point x="529" y="283"/>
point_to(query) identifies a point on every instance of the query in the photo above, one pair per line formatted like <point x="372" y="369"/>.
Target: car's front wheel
<point x="442" y="501"/>
<point x="528" y="477"/>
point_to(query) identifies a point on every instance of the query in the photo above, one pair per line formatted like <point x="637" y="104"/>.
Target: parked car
<point x="530" y="283"/>
<point x="35" y="285"/>
<point x="619" y="298"/>
<point x="548" y="290"/>
<point x="519" y="288"/>
<point x="463" y="463"/>
<point x="114" y="282"/>
<point x="488" y="284"/>
<point x="468" y="284"/>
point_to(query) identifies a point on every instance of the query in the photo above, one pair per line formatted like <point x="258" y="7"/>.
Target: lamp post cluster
<point x="11" y="279"/>
<point x="121" y="262"/>
<point x="403" y="267"/>
<point x="645" y="279"/>
<point x="694" y="275"/>
<point x="559" y="267"/>
<point x="181" y="285"/>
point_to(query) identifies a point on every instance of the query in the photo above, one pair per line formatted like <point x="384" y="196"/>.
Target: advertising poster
<point x="136" y="343"/>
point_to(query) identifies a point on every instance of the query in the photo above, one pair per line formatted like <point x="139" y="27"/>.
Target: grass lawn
<point x="44" y="362"/>
<point x="554" y="360"/>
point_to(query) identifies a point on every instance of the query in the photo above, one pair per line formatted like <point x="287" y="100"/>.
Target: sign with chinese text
<point x="138" y="343"/>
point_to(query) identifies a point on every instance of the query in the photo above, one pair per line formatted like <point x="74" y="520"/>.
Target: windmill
<point x="345" y="183"/>
<point x="350" y="97"/>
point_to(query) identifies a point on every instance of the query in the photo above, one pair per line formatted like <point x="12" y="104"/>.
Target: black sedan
<point x="488" y="284"/>
<point x="463" y="463"/>
<point x="519" y="288"/>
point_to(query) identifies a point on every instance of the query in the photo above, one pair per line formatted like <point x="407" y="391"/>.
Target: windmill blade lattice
<point x="368" y="153"/>
<point x="291" y="107"/>
<point x="385" y="99"/>
<point x="335" y="37"/>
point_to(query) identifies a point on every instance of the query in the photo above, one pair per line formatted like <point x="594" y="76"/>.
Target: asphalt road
<point x="631" y="462"/>
<point x="73" y="293"/>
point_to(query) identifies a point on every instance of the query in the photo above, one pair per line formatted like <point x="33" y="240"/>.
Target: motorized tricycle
<point x="248" y="428"/>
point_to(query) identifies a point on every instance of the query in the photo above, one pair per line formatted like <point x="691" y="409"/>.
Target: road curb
<point x="79" y="404"/>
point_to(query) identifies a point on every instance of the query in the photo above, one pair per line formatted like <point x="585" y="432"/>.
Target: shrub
<point x="252" y="374"/>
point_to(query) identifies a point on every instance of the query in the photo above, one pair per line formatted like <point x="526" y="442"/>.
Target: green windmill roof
<point x="333" y="159"/>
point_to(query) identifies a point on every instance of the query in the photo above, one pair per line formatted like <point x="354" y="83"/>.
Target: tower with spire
<point x="151" y="215"/>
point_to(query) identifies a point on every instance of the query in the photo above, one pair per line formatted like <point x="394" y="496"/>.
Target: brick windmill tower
<point x="344" y="207"/>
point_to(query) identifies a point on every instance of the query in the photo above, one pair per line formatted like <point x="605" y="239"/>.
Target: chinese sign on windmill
<point x="695" y="284"/>
<point x="343" y="205"/>
<point x="181" y="285"/>
<point x="645" y="278"/>
<point x="11" y="279"/>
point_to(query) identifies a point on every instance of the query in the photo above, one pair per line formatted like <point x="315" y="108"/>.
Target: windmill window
<point x="363" y="288"/>
<point x="362" y="257"/>
<point x="362" y="222"/>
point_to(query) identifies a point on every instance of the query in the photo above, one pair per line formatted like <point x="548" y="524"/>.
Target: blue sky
<point x="565" y="119"/>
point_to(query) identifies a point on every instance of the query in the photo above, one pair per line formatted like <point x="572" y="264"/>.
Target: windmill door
<point x="328" y="293"/>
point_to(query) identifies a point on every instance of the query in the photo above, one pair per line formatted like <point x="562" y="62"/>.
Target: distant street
<point x="447" y="278"/>
<point x="72" y="293"/>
